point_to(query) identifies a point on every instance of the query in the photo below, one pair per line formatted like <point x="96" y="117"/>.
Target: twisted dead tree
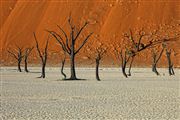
<point x="98" y="54"/>
<point x="156" y="57"/>
<point x="124" y="55"/>
<point x="62" y="66"/>
<point x="18" y="55"/>
<point x="170" y="64"/>
<point x="68" y="43"/>
<point x="26" y="55"/>
<point x="100" y="51"/>
<point x="130" y="66"/>
<point x="42" y="54"/>
<point x="135" y="45"/>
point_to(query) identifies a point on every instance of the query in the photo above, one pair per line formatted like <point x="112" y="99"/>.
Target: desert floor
<point x="142" y="96"/>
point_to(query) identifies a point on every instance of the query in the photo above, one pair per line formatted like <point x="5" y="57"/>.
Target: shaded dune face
<point x="108" y="20"/>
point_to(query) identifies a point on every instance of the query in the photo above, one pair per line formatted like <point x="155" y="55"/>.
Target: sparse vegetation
<point x="42" y="54"/>
<point x="169" y="61"/>
<point x="26" y="55"/>
<point x="97" y="54"/>
<point x="156" y="57"/>
<point x="18" y="55"/>
<point x="62" y="66"/>
<point x="68" y="43"/>
<point x="132" y="44"/>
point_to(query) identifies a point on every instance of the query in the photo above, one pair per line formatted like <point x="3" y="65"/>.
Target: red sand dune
<point x="108" y="20"/>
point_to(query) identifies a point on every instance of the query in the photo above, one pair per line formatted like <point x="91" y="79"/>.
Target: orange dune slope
<point x="108" y="20"/>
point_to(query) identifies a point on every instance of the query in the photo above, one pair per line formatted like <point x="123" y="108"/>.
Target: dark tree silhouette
<point x="42" y="55"/>
<point x="170" y="64"/>
<point x="26" y="55"/>
<point x="68" y="45"/>
<point x="18" y="55"/>
<point x="62" y="66"/>
<point x="96" y="54"/>
<point x="135" y="45"/>
<point x="99" y="54"/>
<point x="155" y="60"/>
<point x="126" y="55"/>
<point x="130" y="65"/>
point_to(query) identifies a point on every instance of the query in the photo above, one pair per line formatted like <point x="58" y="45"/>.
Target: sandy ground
<point x="144" y="96"/>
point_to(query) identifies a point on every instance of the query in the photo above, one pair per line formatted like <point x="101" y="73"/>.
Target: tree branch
<point x="54" y="34"/>
<point x="160" y="55"/>
<point x="79" y="32"/>
<point x="46" y="47"/>
<point x="84" y="42"/>
<point x="122" y="59"/>
<point x="67" y="40"/>
<point x="131" y="37"/>
<point x="13" y="54"/>
<point x="45" y="50"/>
<point x="28" y="51"/>
<point x="37" y="46"/>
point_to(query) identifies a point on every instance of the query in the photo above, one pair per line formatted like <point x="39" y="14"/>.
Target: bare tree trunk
<point x="156" y="58"/>
<point x="97" y="69"/>
<point x="170" y="65"/>
<point x="26" y="55"/>
<point x="25" y="65"/>
<point x="18" y="56"/>
<point x="170" y="68"/>
<point x="124" y="61"/>
<point x="19" y="66"/>
<point x="154" y="69"/>
<point x="73" y="72"/>
<point x="68" y="43"/>
<point x="62" y="68"/>
<point x="124" y="70"/>
<point x="130" y="66"/>
<point x="43" y="70"/>
<point x="43" y="55"/>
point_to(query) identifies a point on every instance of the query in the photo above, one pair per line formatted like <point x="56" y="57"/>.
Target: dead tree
<point x="68" y="43"/>
<point x="135" y="45"/>
<point x="124" y="61"/>
<point x="156" y="58"/>
<point x="96" y="54"/>
<point x="125" y="57"/>
<point x="62" y="66"/>
<point x="42" y="54"/>
<point x="26" y="55"/>
<point x="170" y="64"/>
<point x="100" y="52"/>
<point x="18" y="55"/>
<point x="130" y="65"/>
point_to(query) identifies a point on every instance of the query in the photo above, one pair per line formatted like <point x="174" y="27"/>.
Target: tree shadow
<point x="68" y="79"/>
<point x="33" y="72"/>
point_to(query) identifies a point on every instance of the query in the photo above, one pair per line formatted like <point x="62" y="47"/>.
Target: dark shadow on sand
<point x="33" y="72"/>
<point x="71" y="79"/>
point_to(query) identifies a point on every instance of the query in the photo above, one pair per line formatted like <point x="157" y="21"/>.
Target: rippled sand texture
<point x="142" y="96"/>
